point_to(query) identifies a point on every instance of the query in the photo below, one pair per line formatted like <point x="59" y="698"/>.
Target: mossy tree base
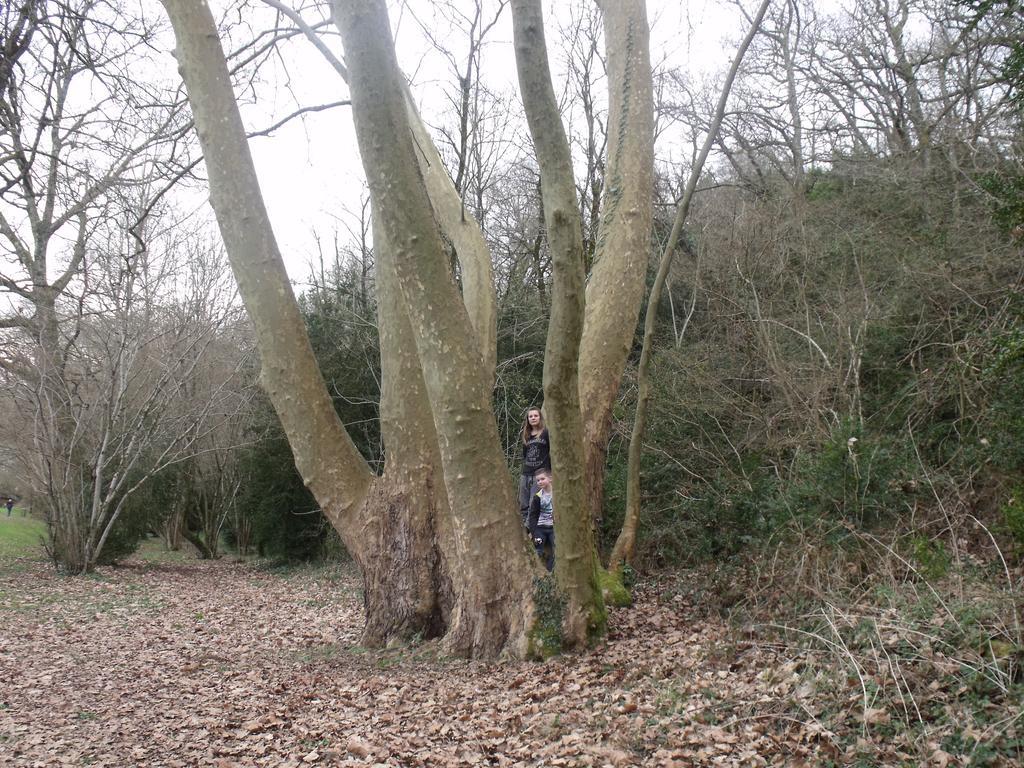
<point x="613" y="588"/>
<point x="545" y="639"/>
<point x="548" y="636"/>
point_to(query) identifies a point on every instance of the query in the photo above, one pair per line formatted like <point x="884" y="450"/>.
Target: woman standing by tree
<point x="536" y="456"/>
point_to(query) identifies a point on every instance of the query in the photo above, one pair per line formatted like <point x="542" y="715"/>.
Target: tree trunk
<point x="575" y="553"/>
<point x="371" y="516"/>
<point x="67" y="513"/>
<point x="204" y="549"/>
<point x="171" y="530"/>
<point x="789" y="39"/>
<point x="464" y="231"/>
<point x="492" y="608"/>
<point x="182" y="505"/>
<point x="456" y="223"/>
<point x="324" y="454"/>
<point x="408" y="590"/>
<point x="616" y="286"/>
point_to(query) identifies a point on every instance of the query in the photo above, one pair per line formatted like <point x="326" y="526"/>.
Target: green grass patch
<point x="152" y="550"/>
<point x="319" y="652"/>
<point x="21" y="536"/>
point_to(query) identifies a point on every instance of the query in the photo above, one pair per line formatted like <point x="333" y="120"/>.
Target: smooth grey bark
<point x="389" y="524"/>
<point x="457" y="224"/>
<point x="492" y="610"/>
<point x="324" y="453"/>
<point x="616" y="285"/>
<point x="575" y="553"/>
<point x="464" y="231"/>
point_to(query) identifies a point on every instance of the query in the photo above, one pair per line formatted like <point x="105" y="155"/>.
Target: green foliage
<point x="855" y="477"/>
<point x="340" y="318"/>
<point x="1001" y="426"/>
<point x="128" y="533"/>
<point x="1013" y="517"/>
<point x="1008" y="351"/>
<point x="1007" y="196"/>
<point x="614" y="496"/>
<point x="143" y="512"/>
<point x="628" y="576"/>
<point x="68" y="545"/>
<point x="887" y="384"/>
<point x="849" y="361"/>
<point x="727" y="518"/>
<point x="931" y="557"/>
<point x="977" y="753"/>
<point x="822" y="186"/>
<point x="286" y="523"/>
<point x="522" y="335"/>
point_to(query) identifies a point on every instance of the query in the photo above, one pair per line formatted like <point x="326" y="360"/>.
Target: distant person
<point x="536" y="456"/>
<point x="542" y="519"/>
<point x="10" y="506"/>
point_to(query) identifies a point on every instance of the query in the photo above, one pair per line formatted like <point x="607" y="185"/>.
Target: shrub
<point x="129" y="531"/>
<point x="286" y="521"/>
<point x="931" y="556"/>
<point x="1013" y="517"/>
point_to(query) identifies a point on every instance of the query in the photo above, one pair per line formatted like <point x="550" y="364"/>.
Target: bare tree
<point x="586" y="75"/>
<point x="899" y="79"/>
<point x="116" y="417"/>
<point x="626" y="542"/>
<point x="775" y="70"/>
<point x="469" y="101"/>
<point x="220" y="390"/>
<point x="81" y="147"/>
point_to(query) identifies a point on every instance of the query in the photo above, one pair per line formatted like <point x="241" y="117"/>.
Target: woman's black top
<point x="537" y="453"/>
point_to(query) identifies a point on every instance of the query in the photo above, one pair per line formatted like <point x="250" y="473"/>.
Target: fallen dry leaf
<point x="220" y="664"/>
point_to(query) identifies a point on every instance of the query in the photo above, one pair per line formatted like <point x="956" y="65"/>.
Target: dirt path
<point x="222" y="664"/>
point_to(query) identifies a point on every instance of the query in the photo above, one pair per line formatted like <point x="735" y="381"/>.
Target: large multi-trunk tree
<point x="437" y="535"/>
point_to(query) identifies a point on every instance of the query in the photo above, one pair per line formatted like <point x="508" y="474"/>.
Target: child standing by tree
<point x="542" y="518"/>
<point x="536" y="456"/>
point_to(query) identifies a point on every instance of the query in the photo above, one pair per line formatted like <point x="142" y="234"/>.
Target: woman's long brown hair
<point x="526" y="423"/>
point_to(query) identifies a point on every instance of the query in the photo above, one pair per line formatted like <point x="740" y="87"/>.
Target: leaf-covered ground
<point x="224" y="664"/>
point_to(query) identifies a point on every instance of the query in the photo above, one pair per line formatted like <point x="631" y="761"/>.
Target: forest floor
<point x="176" y="662"/>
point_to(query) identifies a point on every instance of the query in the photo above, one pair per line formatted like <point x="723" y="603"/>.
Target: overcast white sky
<point x="310" y="170"/>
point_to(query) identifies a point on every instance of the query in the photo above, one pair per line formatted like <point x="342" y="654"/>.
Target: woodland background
<point x="836" y="439"/>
